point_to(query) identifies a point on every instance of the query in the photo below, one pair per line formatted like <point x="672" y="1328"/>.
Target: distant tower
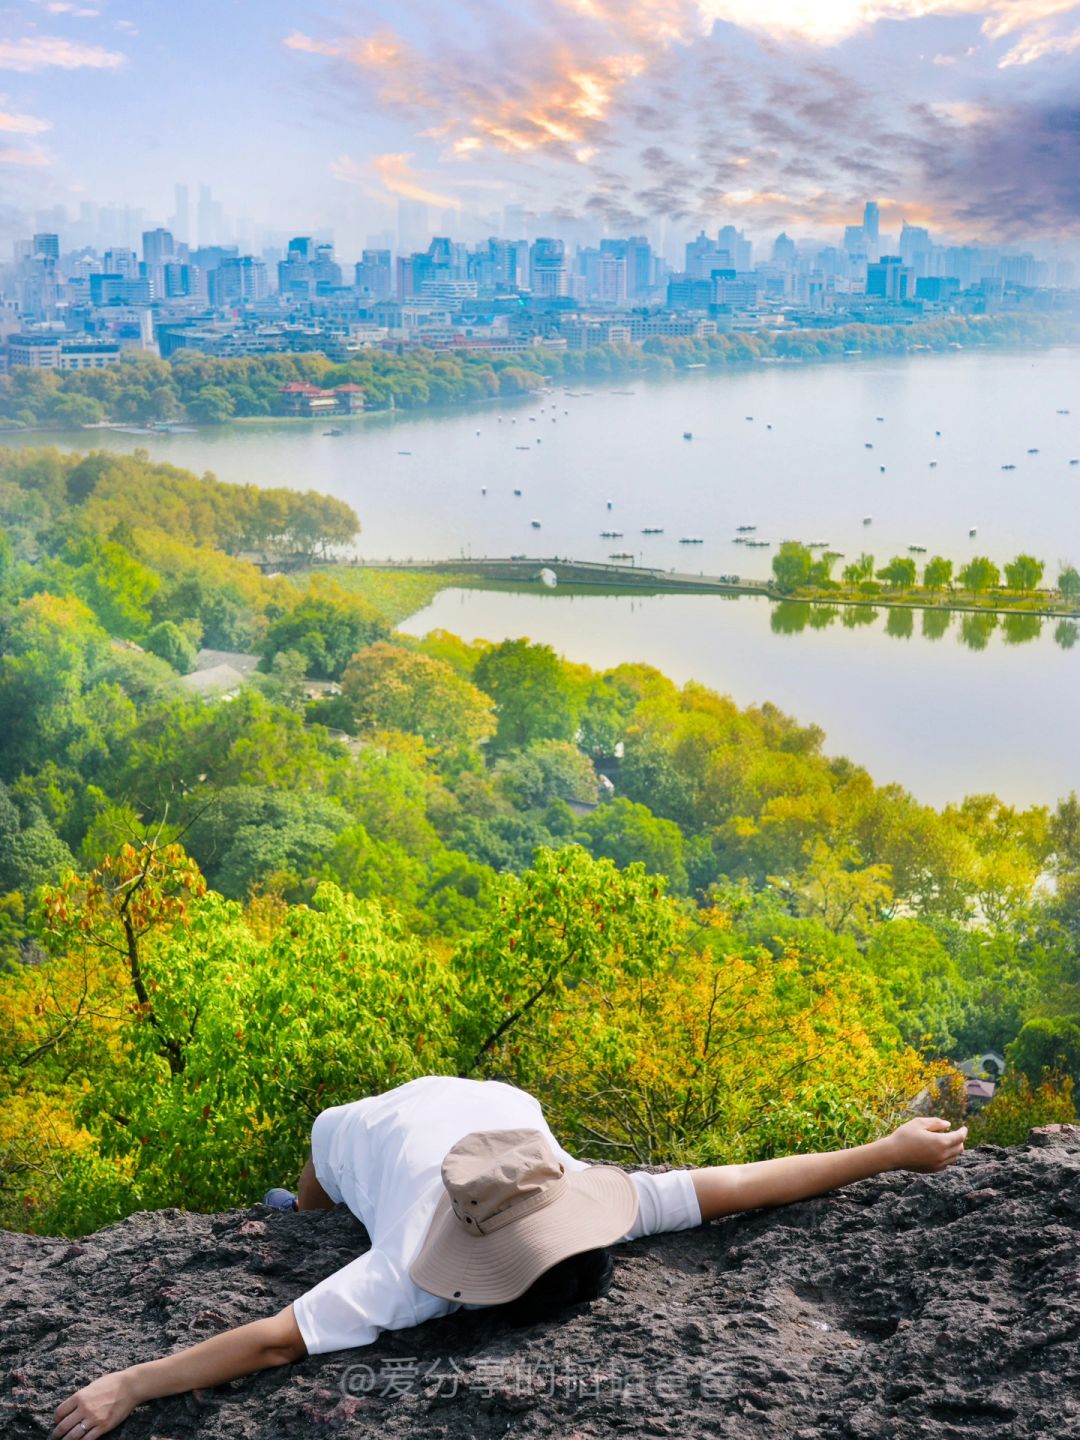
<point x="871" y="225"/>
<point x="181" y="221"/>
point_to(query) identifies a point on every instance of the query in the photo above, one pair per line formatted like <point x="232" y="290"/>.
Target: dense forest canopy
<point x="694" y="931"/>
<point x="209" y="390"/>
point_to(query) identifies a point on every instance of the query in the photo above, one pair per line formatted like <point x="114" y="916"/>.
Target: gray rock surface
<point x="943" y="1306"/>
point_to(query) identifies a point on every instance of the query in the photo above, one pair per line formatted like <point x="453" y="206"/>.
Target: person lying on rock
<point x="469" y="1200"/>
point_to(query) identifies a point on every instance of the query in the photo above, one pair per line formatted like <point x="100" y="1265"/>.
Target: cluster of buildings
<point x="74" y="306"/>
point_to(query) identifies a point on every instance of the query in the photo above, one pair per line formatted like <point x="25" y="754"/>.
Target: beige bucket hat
<point x="509" y="1211"/>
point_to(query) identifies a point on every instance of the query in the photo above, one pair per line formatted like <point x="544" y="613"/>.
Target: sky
<point x="662" y="116"/>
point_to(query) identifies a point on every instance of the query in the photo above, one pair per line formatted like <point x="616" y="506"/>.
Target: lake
<point x="940" y="716"/>
<point x="810" y="477"/>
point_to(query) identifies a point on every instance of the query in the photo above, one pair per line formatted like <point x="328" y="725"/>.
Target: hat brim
<point x="597" y="1206"/>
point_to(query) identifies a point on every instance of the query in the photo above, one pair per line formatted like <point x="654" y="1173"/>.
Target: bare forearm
<point x="925" y="1144"/>
<point x="212" y="1362"/>
<point x="726" y="1189"/>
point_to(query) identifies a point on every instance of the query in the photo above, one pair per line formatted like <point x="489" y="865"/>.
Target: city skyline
<point x="956" y="114"/>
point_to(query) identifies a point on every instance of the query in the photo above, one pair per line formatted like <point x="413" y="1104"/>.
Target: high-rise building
<point x="157" y="246"/>
<point x="414" y="228"/>
<point x="374" y="275"/>
<point x="46" y="247"/>
<point x="735" y="244"/>
<point x="784" y="250"/>
<point x="890" y="279"/>
<point x="915" y="247"/>
<point x="871" y="225"/>
<point x="548" y="268"/>
<point x="180" y="223"/>
<point x="239" y="279"/>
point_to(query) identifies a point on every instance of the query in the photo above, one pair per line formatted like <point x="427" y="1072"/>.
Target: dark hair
<point x="570" y="1282"/>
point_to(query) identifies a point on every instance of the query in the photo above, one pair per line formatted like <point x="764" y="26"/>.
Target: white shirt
<point x="382" y="1157"/>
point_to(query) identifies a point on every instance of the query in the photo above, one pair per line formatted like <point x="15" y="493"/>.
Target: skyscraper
<point x="871" y="225"/>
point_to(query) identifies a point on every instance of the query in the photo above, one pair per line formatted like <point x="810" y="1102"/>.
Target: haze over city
<point x="609" y="119"/>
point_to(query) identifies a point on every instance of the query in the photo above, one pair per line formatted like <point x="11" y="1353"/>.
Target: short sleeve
<point x="665" y="1202"/>
<point x="358" y="1302"/>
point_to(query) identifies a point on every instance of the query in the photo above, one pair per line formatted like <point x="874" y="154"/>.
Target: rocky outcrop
<point x="943" y="1305"/>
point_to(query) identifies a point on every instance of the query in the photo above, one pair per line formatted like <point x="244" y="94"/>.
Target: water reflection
<point x="1019" y="629"/>
<point x="935" y="623"/>
<point x="856" y="615"/>
<point x="792" y="617"/>
<point x="900" y="622"/>
<point x="976" y="629"/>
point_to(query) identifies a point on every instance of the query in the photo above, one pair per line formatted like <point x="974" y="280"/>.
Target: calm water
<point x="810" y="477"/>
<point x="940" y="716"/>
<point x="973" y="710"/>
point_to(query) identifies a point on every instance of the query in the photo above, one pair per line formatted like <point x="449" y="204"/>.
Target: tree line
<point x="795" y="567"/>
<point x="209" y="390"/>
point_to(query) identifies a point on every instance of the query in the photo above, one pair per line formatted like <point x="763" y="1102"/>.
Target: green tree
<point x="899" y="573"/>
<point x="792" y="565"/>
<point x="938" y="574"/>
<point x="630" y="834"/>
<point x="979" y="575"/>
<point x="170" y="644"/>
<point x="391" y="688"/>
<point x="213" y="405"/>
<point x="859" y="571"/>
<point x="1069" y="582"/>
<point x="1024" y="573"/>
<point x="535" y="698"/>
<point x="328" y="626"/>
<point x="1047" y="1046"/>
<point x="544" y="771"/>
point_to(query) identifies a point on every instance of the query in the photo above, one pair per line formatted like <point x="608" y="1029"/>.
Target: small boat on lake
<point x="1063" y="412"/>
<point x="867" y="445"/>
<point x="1074" y="462"/>
<point x="336" y="431"/>
<point x="1033" y="452"/>
<point x="517" y="492"/>
<point x="1008" y="467"/>
<point x="691" y="540"/>
<point x="653" y="530"/>
<point x="933" y="464"/>
<point x="535" y="524"/>
<point x="971" y="532"/>
<point x="522" y="447"/>
<point x="621" y="555"/>
<point x="404" y="452"/>
<point x="611" y="534"/>
<point x="687" y="434"/>
<point x="882" y="469"/>
<point x="744" y="529"/>
<point x="867" y="519"/>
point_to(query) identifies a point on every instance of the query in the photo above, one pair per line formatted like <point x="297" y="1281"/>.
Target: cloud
<point x="1036" y="46"/>
<point x="65" y="7"/>
<point x="1011" y="176"/>
<point x="40" y="52"/>
<point x="13" y="124"/>
<point x="627" y="110"/>
<point x="11" y="155"/>
<point x="396" y="175"/>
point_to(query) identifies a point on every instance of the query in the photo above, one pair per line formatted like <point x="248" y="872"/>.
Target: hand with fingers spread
<point x="926" y="1143"/>
<point x="95" y="1409"/>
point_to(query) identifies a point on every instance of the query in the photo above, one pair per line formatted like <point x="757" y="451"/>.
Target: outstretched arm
<point x="100" y="1406"/>
<point x="921" y="1144"/>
